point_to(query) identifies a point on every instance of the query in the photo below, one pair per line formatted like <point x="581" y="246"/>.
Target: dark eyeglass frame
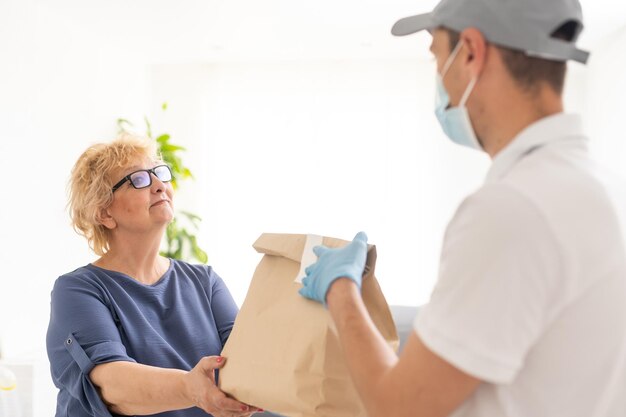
<point x="149" y="171"/>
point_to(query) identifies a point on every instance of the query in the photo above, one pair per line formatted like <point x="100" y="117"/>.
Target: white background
<point x="299" y="118"/>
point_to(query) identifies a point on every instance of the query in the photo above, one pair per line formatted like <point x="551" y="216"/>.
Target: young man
<point x="528" y="317"/>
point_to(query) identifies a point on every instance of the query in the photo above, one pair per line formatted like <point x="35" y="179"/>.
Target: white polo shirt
<point x="531" y="295"/>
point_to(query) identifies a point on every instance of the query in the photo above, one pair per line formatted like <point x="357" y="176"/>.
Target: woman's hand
<point x="204" y="393"/>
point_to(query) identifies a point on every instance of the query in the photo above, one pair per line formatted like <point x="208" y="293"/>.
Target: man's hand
<point x="332" y="264"/>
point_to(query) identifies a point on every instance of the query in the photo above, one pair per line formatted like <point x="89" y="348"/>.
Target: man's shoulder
<point x="559" y="181"/>
<point x="495" y="201"/>
<point x="498" y="215"/>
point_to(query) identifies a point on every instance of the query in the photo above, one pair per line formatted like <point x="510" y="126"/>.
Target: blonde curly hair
<point x="91" y="182"/>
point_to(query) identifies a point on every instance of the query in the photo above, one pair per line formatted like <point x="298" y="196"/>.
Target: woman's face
<point x="140" y="210"/>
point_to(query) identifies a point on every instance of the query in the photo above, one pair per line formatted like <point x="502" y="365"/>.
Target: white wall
<point x="318" y="147"/>
<point x="605" y="98"/>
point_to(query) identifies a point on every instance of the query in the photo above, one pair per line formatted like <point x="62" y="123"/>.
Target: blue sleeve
<point x="222" y="305"/>
<point x="81" y="334"/>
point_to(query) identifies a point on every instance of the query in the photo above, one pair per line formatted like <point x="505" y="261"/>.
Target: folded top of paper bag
<point x="292" y="246"/>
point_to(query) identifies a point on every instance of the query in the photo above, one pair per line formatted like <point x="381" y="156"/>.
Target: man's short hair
<point x="530" y="72"/>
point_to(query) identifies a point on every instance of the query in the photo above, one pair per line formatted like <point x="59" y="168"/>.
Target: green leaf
<point x="195" y="223"/>
<point x="191" y="216"/>
<point x="122" y="121"/>
<point x="197" y="253"/>
<point x="163" y="138"/>
<point x="164" y="106"/>
<point x="123" y="125"/>
<point x="175" y="163"/>
<point x="168" y="147"/>
<point x="187" y="173"/>
<point x="184" y="233"/>
<point x="148" y="127"/>
<point x="178" y="254"/>
<point x="200" y="254"/>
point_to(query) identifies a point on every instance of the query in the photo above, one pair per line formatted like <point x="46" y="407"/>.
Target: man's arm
<point x="419" y="383"/>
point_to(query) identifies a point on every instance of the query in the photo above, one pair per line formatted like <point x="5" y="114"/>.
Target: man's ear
<point x="476" y="52"/>
<point x="105" y="219"/>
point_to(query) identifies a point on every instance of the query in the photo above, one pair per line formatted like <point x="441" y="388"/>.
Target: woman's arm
<point x="135" y="389"/>
<point x="223" y="306"/>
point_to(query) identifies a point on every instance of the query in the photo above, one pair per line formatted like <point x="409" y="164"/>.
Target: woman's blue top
<point x="100" y="316"/>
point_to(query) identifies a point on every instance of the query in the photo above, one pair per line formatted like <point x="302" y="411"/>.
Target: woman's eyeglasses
<point x="142" y="178"/>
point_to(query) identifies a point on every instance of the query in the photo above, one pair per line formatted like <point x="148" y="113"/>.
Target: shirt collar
<point x="547" y="130"/>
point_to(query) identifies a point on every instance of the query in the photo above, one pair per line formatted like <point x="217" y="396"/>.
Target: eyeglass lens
<point x="141" y="179"/>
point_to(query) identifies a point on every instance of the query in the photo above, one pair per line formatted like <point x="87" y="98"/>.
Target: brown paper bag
<point x="283" y="354"/>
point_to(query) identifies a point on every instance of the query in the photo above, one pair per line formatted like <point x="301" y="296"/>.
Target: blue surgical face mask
<point x="455" y="121"/>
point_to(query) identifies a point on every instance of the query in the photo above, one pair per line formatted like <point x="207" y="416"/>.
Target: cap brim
<point x="413" y="24"/>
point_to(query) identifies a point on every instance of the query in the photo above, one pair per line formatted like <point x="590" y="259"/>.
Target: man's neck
<point x="517" y="111"/>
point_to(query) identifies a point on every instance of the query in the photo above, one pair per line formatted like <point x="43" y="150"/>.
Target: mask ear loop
<point x="467" y="92"/>
<point x="472" y="83"/>
<point x="451" y="58"/>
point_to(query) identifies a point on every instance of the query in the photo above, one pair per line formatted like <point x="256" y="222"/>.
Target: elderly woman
<point x="135" y="333"/>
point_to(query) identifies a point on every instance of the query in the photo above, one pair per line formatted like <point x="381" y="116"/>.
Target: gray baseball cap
<point x="525" y="25"/>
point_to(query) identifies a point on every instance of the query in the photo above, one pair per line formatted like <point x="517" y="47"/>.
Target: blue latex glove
<point x="332" y="264"/>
